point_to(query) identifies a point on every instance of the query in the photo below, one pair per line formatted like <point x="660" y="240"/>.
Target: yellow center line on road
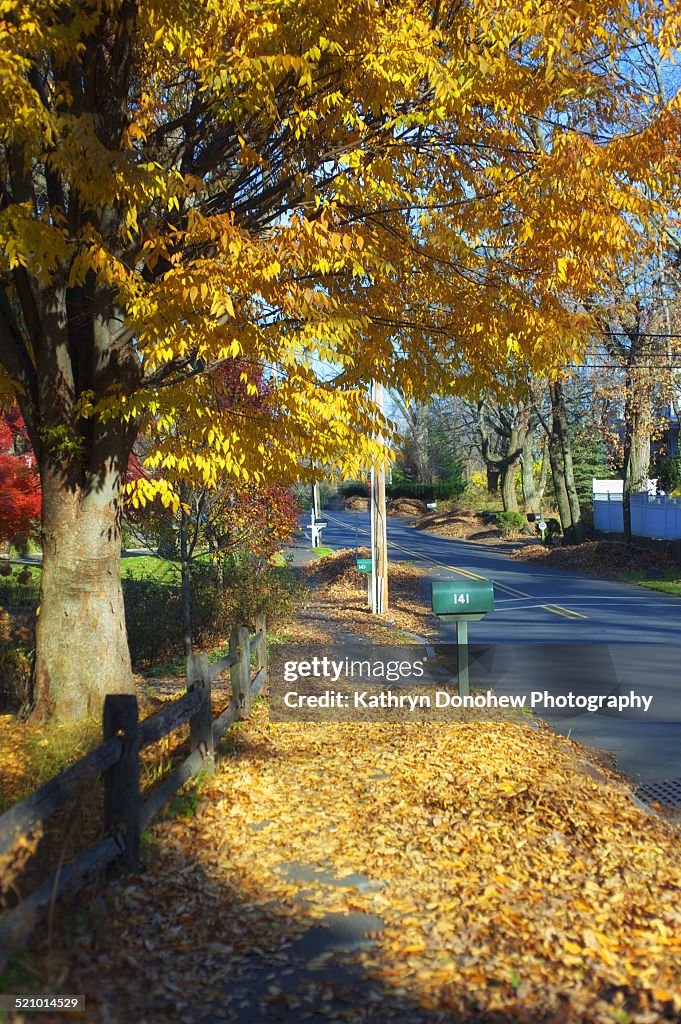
<point x="555" y="609"/>
<point x="570" y="612"/>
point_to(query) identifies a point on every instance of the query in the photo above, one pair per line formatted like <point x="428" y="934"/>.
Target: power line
<point x="620" y="366"/>
<point x="638" y="334"/>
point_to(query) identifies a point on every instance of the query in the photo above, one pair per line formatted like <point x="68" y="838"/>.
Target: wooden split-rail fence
<point x="116" y="761"/>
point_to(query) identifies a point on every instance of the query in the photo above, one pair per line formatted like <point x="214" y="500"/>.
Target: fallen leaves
<point x="602" y="558"/>
<point x="508" y="883"/>
<point x="341" y="598"/>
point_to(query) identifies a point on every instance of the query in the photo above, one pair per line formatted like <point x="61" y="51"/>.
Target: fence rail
<point x="116" y="761"/>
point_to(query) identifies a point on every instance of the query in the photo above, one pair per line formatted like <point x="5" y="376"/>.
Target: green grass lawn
<point x="138" y="567"/>
<point x="670" y="585"/>
<point x="134" y="567"/>
<point x="149" y="567"/>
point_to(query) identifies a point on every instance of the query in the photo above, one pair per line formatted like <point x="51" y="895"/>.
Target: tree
<point x="590" y="459"/>
<point x="431" y="450"/>
<point x="339" y="193"/>
<point x="230" y="518"/>
<point x="557" y="428"/>
<point x="506" y="440"/>
<point x="416" y="454"/>
<point x="633" y="323"/>
<point x="20" y="495"/>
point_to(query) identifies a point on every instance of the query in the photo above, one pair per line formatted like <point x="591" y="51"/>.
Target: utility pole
<point x="379" y="526"/>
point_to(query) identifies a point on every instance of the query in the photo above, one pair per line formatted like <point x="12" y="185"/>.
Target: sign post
<point x="364" y="566"/>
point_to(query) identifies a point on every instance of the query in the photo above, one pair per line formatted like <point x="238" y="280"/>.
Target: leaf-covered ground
<point x="466" y="524"/>
<point x="386" y="872"/>
<point x="602" y="558"/>
<point x="507" y="880"/>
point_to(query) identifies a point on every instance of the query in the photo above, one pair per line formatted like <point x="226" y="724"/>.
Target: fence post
<point x="261" y="648"/>
<point x="201" y="722"/>
<point x="240" y="674"/>
<point x="122" y="780"/>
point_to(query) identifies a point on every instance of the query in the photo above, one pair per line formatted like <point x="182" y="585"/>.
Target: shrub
<point x="668" y="473"/>
<point x="477" y="480"/>
<point x="510" y="523"/>
<point x="274" y="590"/>
<point x="553" y="531"/>
<point x="153" y="619"/>
<point x="450" y="488"/>
<point x="353" y="489"/>
<point x="16" y="669"/>
<point x="221" y="597"/>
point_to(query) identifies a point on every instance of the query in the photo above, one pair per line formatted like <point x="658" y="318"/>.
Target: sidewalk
<point x="376" y="873"/>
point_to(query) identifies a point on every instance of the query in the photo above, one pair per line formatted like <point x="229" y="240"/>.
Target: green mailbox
<point x="364" y="565"/>
<point x="462" y="601"/>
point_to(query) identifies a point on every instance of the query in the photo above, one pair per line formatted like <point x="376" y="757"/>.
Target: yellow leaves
<point x="528" y="952"/>
<point x="663" y="995"/>
<point x="561" y="268"/>
<point x="305" y="257"/>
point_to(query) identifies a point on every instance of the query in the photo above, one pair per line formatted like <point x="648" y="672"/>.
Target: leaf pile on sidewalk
<point x="341" y="594"/>
<point x="509" y="882"/>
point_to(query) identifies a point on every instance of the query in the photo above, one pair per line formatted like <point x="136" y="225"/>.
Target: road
<point x="550" y="627"/>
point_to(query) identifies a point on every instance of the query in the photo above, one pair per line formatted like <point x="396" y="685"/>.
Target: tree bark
<point x="81" y="641"/>
<point x="492" y="478"/>
<point x="559" y="485"/>
<point x="544" y="474"/>
<point x="509" y="497"/>
<point x="637" y="433"/>
<point x="506" y="433"/>
<point x="560" y="455"/>
<point x="531" y="494"/>
<point x="185" y="565"/>
<point x="510" y="463"/>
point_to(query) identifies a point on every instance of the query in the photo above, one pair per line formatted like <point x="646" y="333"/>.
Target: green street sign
<point x="454" y="599"/>
<point x="364" y="565"/>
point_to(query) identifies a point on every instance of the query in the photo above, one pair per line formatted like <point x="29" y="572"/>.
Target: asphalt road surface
<point x="551" y="630"/>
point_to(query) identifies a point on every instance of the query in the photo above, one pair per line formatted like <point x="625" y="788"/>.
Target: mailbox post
<point x="462" y="601"/>
<point x="365" y="567"/>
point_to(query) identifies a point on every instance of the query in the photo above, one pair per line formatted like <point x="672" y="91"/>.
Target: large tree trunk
<point x="560" y="454"/>
<point x="420" y="447"/>
<point x="637" y="433"/>
<point x="510" y="463"/>
<point x="81" y="642"/>
<point x="544" y="474"/>
<point x="509" y="497"/>
<point x="559" y="486"/>
<point x="531" y="495"/>
<point x="493" y="474"/>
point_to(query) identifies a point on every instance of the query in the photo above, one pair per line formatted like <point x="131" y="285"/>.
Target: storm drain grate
<point x="661" y="791"/>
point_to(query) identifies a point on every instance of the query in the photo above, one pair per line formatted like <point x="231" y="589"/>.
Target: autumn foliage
<point x="423" y="194"/>
<point x="19" y="480"/>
